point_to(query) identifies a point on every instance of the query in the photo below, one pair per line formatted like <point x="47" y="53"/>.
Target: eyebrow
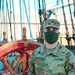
<point x="51" y="27"/>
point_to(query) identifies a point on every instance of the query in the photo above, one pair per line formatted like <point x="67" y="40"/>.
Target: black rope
<point x="41" y="17"/>
<point x="70" y="14"/>
<point x="40" y="12"/>
<point x="74" y="7"/>
<point x="14" y="19"/>
<point x="10" y="22"/>
<point x="0" y="5"/>
<point x="68" y="38"/>
<point x="9" y="16"/>
<point x="73" y="36"/>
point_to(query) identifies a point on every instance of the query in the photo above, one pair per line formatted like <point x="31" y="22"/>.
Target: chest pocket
<point x="39" y="65"/>
<point x="55" y="64"/>
<point x="39" y="61"/>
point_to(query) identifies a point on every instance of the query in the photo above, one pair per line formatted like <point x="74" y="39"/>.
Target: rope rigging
<point x="20" y="17"/>
<point x="0" y="5"/>
<point x="43" y="15"/>
<point x="68" y="38"/>
<point x="13" y="18"/>
<point x="74" y="7"/>
<point x="9" y="17"/>
<point x="0" y="24"/>
<point x="10" y="22"/>
<point x="73" y="36"/>
<point x="42" y="18"/>
<point x="4" y="26"/>
<point x="72" y="23"/>
<point x="37" y="27"/>
<point x="24" y="3"/>
<point x="71" y="15"/>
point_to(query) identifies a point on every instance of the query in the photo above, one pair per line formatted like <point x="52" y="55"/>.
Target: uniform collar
<point x="54" y="52"/>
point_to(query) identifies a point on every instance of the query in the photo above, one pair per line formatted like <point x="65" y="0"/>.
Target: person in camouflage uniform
<point x="52" y="58"/>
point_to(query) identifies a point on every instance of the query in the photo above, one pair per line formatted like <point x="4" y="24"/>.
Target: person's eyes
<point x="54" y="29"/>
<point x="47" y="29"/>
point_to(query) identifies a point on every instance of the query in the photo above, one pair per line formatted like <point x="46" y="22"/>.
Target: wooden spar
<point x="60" y="6"/>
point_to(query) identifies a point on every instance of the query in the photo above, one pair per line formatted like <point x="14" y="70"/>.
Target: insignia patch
<point x="58" y="59"/>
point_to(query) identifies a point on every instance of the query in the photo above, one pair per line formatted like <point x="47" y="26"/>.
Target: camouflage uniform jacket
<point x="60" y="62"/>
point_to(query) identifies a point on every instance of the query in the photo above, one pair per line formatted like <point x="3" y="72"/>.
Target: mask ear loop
<point x="60" y="38"/>
<point x="59" y="34"/>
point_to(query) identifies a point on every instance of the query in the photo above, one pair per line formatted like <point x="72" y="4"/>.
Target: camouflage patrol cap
<point x="52" y="23"/>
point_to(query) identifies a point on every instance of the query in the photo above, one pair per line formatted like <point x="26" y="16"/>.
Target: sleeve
<point x="70" y="63"/>
<point x="31" y="68"/>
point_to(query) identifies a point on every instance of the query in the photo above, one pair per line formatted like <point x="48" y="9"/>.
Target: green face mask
<point x="51" y="37"/>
